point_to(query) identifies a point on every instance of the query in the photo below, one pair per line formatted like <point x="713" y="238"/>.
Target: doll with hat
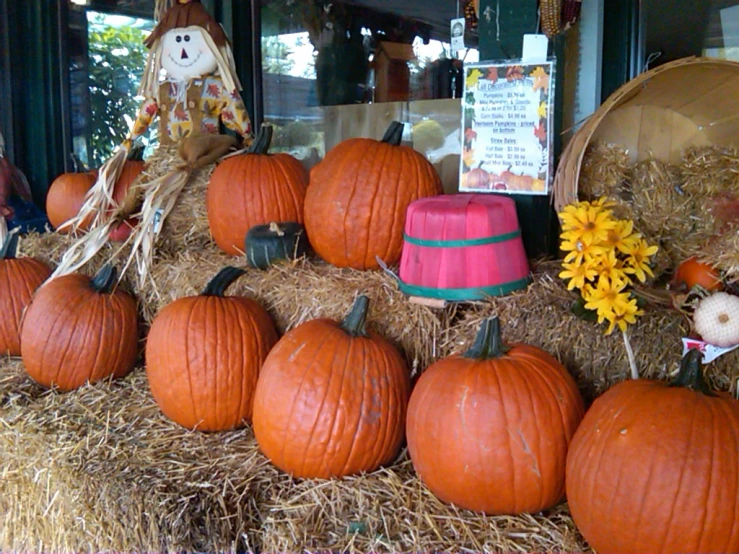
<point x="190" y="84"/>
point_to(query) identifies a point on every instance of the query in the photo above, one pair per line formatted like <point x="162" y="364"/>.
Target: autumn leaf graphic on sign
<point x="542" y="111"/>
<point x="472" y="77"/>
<point x="514" y="73"/>
<point x="470" y="135"/>
<point x="468" y="157"/>
<point x="541" y="79"/>
<point x="540" y="132"/>
<point x="492" y="74"/>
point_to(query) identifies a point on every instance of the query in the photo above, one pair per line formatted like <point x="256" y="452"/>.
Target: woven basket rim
<point x="565" y="185"/>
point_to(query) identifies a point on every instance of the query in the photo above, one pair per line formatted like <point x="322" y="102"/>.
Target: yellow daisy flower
<point x="624" y="318"/>
<point x="622" y="236"/>
<point x="607" y="297"/>
<point x="588" y="224"/>
<point x="578" y="274"/>
<point x="637" y="262"/>
<point x="610" y="266"/>
<point x="579" y="251"/>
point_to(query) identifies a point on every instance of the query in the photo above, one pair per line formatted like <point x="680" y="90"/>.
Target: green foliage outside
<point x="117" y="58"/>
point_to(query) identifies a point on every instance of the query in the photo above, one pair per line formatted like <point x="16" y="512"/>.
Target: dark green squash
<point x="266" y="244"/>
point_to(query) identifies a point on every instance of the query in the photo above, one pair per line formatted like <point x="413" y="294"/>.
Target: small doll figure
<point x="199" y="88"/>
<point x="201" y="83"/>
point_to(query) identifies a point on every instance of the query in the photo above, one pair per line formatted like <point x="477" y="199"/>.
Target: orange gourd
<point x="203" y="356"/>
<point x="654" y="467"/>
<point x="19" y="279"/>
<point x="692" y="272"/>
<point x="78" y="330"/>
<point x="254" y="188"/>
<point x="488" y="430"/>
<point x="358" y="195"/>
<point x="331" y="399"/>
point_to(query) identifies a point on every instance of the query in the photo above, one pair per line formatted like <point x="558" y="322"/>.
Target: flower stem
<point x="630" y="354"/>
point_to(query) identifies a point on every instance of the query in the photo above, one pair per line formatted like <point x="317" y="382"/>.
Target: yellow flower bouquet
<point x="604" y="257"/>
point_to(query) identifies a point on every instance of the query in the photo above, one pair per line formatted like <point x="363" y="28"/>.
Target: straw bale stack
<point x="101" y="468"/>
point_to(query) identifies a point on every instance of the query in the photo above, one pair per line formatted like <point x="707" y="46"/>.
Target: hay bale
<point x="101" y="468"/>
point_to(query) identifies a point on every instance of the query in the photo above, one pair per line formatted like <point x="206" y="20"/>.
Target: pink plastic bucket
<point x="463" y="247"/>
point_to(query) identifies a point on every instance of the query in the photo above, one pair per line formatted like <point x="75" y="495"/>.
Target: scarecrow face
<point x="186" y="55"/>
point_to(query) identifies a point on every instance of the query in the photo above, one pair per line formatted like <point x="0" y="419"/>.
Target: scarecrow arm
<point x="234" y="115"/>
<point x="148" y="110"/>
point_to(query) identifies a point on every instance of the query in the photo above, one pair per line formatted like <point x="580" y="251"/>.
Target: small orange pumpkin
<point x="203" y="356"/>
<point x="78" y="330"/>
<point x="488" y="430"/>
<point x="692" y="272"/>
<point x="331" y="399"/>
<point x="19" y="279"/>
<point x="356" y="203"/>
<point x="251" y="189"/>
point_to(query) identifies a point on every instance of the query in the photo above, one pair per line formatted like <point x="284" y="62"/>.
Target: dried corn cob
<point x="550" y="12"/>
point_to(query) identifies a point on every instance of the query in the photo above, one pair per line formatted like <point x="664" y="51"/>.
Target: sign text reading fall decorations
<point x="506" y="122"/>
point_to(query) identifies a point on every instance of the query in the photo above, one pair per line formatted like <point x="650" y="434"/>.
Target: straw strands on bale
<point x="101" y="468"/>
<point x="690" y="208"/>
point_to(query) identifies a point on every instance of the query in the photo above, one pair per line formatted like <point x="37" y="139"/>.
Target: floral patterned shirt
<point x="195" y="110"/>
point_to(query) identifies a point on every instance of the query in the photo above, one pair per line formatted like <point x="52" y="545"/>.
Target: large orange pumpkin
<point x="203" y="356"/>
<point x="78" y="330"/>
<point x="19" y="279"/>
<point x="358" y="195"/>
<point x="66" y="196"/>
<point x="488" y="430"/>
<point x="331" y="399"/>
<point x="654" y="467"/>
<point x="255" y="188"/>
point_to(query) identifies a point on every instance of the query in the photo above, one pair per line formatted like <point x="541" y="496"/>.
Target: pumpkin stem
<point x="355" y="322"/>
<point x="136" y="154"/>
<point x="105" y="279"/>
<point x="218" y="284"/>
<point x="690" y="375"/>
<point x="488" y="343"/>
<point x="263" y="140"/>
<point x="394" y="133"/>
<point x="10" y="247"/>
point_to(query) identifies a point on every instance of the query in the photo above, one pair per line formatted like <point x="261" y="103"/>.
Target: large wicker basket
<point x="688" y="102"/>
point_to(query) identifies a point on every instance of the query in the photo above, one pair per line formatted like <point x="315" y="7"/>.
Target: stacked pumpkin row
<point x="651" y="467"/>
<point x="353" y="210"/>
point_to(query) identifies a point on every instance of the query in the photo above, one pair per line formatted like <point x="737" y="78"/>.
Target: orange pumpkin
<point x="78" y="330"/>
<point x="251" y="189"/>
<point x="654" y="467"/>
<point x="203" y="356"/>
<point x="478" y="178"/>
<point x="19" y="279"/>
<point x="692" y="272"/>
<point x="488" y="430"/>
<point x="358" y="195"/>
<point x="66" y="196"/>
<point x="131" y="170"/>
<point x="331" y="399"/>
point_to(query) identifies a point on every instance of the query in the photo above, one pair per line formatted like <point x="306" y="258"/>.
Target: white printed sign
<point x="506" y="126"/>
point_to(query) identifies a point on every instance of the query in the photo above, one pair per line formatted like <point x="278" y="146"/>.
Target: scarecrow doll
<point x="190" y="84"/>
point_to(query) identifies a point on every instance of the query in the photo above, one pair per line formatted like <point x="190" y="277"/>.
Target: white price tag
<point x="457" y="32"/>
<point x="710" y="351"/>
<point x="535" y="48"/>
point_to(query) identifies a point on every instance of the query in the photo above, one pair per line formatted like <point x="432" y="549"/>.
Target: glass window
<point x="334" y="70"/>
<point x="107" y="57"/>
